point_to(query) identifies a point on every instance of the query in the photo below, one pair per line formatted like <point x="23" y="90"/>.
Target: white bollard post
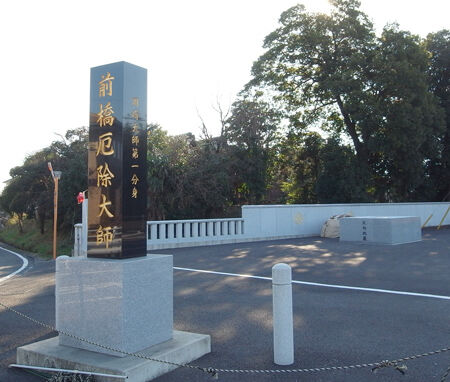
<point x="283" y="329"/>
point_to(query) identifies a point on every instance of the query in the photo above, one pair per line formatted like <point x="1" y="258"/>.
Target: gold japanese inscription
<point x="104" y="175"/>
<point x="105" y="87"/>
<point x="134" y="179"/>
<point x="105" y="115"/>
<point x="104" y="144"/>
<point x="135" y="115"/>
<point x="135" y="140"/>
<point x="103" y="207"/>
<point x="104" y="235"/>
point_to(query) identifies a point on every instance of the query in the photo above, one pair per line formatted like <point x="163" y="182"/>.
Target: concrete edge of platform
<point x="183" y="348"/>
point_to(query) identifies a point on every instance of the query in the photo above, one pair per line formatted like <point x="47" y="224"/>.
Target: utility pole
<point x="56" y="175"/>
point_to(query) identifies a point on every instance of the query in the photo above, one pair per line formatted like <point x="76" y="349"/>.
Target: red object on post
<point x="80" y="198"/>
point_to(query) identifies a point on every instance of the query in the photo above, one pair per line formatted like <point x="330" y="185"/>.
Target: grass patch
<point x="32" y="240"/>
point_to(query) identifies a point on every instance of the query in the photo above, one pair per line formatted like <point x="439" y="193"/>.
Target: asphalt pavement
<point x="332" y="326"/>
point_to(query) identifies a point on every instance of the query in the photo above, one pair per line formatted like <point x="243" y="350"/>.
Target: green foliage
<point x="312" y="170"/>
<point x="30" y="189"/>
<point x="32" y="240"/>
<point x="333" y="72"/>
<point x="405" y="133"/>
<point x="15" y="202"/>
<point x="438" y="46"/>
<point x="72" y="161"/>
<point x="186" y="178"/>
<point x="208" y="182"/>
<point x="339" y="179"/>
<point x="250" y="132"/>
<point x="297" y="167"/>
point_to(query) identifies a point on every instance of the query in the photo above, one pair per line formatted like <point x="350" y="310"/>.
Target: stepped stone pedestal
<point x="122" y="305"/>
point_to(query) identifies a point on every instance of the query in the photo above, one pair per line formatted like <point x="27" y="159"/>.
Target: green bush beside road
<point x="33" y="241"/>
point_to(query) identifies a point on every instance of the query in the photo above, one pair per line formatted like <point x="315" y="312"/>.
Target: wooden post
<point x="426" y="221"/>
<point x="443" y="218"/>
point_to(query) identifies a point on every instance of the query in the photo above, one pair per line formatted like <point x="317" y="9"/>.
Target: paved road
<point x="332" y="326"/>
<point x="31" y="292"/>
<point x="9" y="264"/>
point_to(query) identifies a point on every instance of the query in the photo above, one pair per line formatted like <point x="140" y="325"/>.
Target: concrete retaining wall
<point x="298" y="220"/>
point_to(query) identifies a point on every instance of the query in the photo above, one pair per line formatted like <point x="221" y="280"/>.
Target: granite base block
<point x="123" y="304"/>
<point x="184" y="347"/>
<point x="381" y="229"/>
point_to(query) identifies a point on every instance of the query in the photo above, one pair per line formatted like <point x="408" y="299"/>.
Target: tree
<point x="36" y="183"/>
<point x="297" y="166"/>
<point x="72" y="159"/>
<point x="402" y="120"/>
<point x="337" y="181"/>
<point x="14" y="200"/>
<point x="186" y="178"/>
<point x="32" y="186"/>
<point x="333" y="72"/>
<point x="316" y="63"/>
<point x="250" y="132"/>
<point x="208" y="185"/>
<point x="166" y="159"/>
<point x="438" y="45"/>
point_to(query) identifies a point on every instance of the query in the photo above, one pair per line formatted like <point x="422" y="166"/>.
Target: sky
<point x="197" y="52"/>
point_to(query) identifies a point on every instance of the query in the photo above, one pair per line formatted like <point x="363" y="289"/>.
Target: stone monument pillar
<point x="118" y="296"/>
<point x="117" y="161"/>
<point x="110" y="296"/>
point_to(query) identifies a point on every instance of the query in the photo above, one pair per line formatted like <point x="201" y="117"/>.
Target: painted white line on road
<point x="24" y="265"/>
<point x="387" y="291"/>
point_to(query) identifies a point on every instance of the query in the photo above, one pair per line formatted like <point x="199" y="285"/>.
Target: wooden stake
<point x="445" y="215"/>
<point x="426" y="221"/>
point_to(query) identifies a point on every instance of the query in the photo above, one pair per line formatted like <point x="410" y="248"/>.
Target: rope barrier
<point x="214" y="372"/>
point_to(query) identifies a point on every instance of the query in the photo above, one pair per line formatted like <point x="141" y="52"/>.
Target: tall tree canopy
<point x="250" y="132"/>
<point x="438" y="45"/>
<point x="333" y="72"/>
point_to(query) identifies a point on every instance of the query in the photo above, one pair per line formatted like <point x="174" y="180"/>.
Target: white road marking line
<point x="24" y="265"/>
<point x="387" y="291"/>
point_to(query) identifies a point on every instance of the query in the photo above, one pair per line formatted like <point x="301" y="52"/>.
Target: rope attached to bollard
<point x="214" y="372"/>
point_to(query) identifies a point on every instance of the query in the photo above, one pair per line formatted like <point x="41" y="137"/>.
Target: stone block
<point x="123" y="304"/>
<point x="381" y="229"/>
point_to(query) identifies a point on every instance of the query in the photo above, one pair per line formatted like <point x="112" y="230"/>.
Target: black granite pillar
<point x="117" y="161"/>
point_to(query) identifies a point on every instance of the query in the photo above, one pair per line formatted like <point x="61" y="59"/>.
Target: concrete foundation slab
<point x="381" y="229"/>
<point x="184" y="347"/>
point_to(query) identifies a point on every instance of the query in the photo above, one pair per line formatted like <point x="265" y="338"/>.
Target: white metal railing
<point x="196" y="231"/>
